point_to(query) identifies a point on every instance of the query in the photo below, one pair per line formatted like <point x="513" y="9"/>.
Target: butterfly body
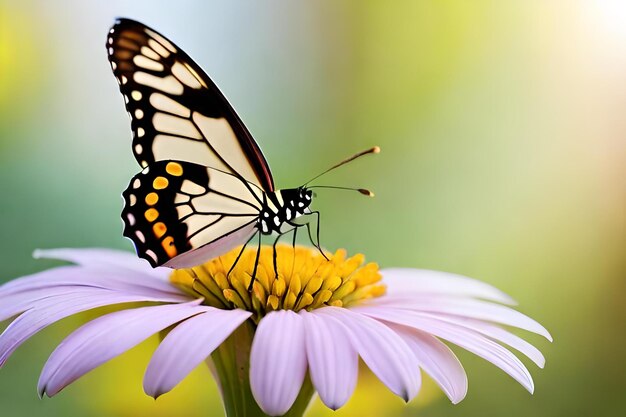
<point x="282" y="208"/>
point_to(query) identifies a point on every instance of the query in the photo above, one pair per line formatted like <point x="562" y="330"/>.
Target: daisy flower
<point x="273" y="348"/>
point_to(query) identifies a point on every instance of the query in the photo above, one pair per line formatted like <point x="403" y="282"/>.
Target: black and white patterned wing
<point x="176" y="111"/>
<point x="180" y="214"/>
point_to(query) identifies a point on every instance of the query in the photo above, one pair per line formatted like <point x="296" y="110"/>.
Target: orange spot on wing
<point x="151" y="214"/>
<point x="152" y="198"/>
<point x="169" y="247"/>
<point x="159" y="229"/>
<point x="174" y="168"/>
<point x="160" y="183"/>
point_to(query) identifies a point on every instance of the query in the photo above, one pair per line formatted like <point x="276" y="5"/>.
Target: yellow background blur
<point x="503" y="131"/>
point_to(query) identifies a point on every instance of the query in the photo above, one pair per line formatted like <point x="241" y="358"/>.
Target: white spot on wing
<point x="225" y="143"/>
<point x="136" y="95"/>
<point x="184" y="211"/>
<point x="151" y="254"/>
<point x="167" y="123"/>
<point x="138" y="149"/>
<point x="150" y="53"/>
<point x="166" y="104"/>
<point x="140" y="236"/>
<point x="161" y="40"/>
<point x="222" y="228"/>
<point x="146" y="63"/>
<point x="181" y="72"/>
<point x="192" y="188"/>
<point x="181" y="198"/>
<point x="131" y="219"/>
<point x="172" y="147"/>
<point x="140" y="132"/>
<point x="167" y="84"/>
<point x="137" y="183"/>
<point x="132" y="200"/>
<point x="139" y="114"/>
<point x="158" y="48"/>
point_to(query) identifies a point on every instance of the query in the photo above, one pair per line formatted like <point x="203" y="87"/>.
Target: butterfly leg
<point x="256" y="264"/>
<point x="317" y="226"/>
<point x="293" y="244"/>
<point x="274" y="254"/>
<point x="239" y="256"/>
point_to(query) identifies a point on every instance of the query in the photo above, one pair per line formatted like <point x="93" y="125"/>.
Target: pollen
<point x="306" y="280"/>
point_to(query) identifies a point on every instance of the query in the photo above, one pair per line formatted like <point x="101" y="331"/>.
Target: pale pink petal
<point x="384" y="352"/>
<point x="14" y="304"/>
<point x="469" y="308"/>
<point x="112" y="279"/>
<point x="104" y="258"/>
<point x="18" y="302"/>
<point x="403" y="281"/>
<point x="278" y="361"/>
<point x="187" y="345"/>
<point x="437" y="360"/>
<point x="105" y="338"/>
<point x="467" y="339"/>
<point x="333" y="361"/>
<point x="54" y="308"/>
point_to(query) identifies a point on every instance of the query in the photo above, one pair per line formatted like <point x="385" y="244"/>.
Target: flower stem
<point x="230" y="365"/>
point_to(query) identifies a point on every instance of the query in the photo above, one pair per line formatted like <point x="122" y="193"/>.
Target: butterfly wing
<point x="176" y="111"/>
<point x="179" y="213"/>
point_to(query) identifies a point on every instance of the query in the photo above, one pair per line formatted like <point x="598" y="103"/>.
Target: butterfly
<point x="205" y="186"/>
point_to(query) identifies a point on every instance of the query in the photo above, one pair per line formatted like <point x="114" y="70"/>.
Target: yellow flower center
<point x="305" y="280"/>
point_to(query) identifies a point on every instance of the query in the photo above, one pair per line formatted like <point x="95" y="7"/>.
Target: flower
<point x="272" y="348"/>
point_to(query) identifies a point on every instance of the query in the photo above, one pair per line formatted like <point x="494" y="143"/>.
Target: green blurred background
<point x="503" y="134"/>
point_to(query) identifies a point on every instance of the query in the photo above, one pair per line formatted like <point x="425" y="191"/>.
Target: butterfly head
<point x="297" y="199"/>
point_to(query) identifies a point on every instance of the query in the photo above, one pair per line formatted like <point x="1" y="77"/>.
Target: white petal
<point x="187" y="345"/>
<point x="437" y="360"/>
<point x="333" y="361"/>
<point x="278" y="361"/>
<point x="467" y="339"/>
<point x="402" y="281"/>
<point x="384" y="352"/>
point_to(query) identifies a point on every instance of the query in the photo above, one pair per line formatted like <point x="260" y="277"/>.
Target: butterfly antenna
<point x="360" y="190"/>
<point x="375" y="149"/>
